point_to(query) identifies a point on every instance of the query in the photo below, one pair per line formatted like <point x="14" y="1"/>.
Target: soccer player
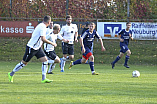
<point x="69" y="32"/>
<point x="33" y="48"/>
<point x="124" y="35"/>
<point x="49" y="48"/>
<point x="86" y="41"/>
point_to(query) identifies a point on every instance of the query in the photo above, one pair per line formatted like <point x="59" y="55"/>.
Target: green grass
<point x="78" y="86"/>
<point x="143" y="52"/>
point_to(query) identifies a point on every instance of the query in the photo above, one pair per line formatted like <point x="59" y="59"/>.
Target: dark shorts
<point x="68" y="48"/>
<point x="30" y="52"/>
<point x="124" y="48"/>
<point x="51" y="54"/>
<point x="87" y="53"/>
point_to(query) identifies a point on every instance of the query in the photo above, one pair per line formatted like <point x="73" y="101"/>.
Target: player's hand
<point x="121" y="40"/>
<point x="83" y="50"/>
<point x="65" y="40"/>
<point x="103" y="49"/>
<point x="54" y="44"/>
<point x="76" y="40"/>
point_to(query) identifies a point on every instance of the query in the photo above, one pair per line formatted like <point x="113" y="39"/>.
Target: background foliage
<point x="103" y="9"/>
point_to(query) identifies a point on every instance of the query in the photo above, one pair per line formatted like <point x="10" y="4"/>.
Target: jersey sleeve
<point x="76" y="29"/>
<point x="59" y="36"/>
<point x="120" y="32"/>
<point x="43" y="31"/>
<point x="62" y="31"/>
<point x="97" y="35"/>
<point x="84" y="35"/>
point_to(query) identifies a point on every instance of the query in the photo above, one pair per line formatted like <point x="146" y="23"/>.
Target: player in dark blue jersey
<point x="124" y="35"/>
<point x="86" y="41"/>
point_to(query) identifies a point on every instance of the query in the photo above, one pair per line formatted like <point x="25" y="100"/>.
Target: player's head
<point x="128" y="25"/>
<point x="56" y="28"/>
<point x="68" y="19"/>
<point x="91" y="26"/>
<point x="51" y="25"/>
<point x="47" y="20"/>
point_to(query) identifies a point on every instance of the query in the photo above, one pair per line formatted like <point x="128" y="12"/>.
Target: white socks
<point x="44" y="69"/>
<point x="18" y="67"/>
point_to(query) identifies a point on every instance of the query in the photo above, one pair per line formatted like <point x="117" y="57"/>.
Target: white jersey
<point x="51" y="37"/>
<point x="35" y="42"/>
<point x="49" y="31"/>
<point x="68" y="32"/>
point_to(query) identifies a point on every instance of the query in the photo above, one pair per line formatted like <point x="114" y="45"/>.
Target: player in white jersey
<point x="49" y="29"/>
<point x="33" y="48"/>
<point x="69" y="32"/>
<point x="49" y="49"/>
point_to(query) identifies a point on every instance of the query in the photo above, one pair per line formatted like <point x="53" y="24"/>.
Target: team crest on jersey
<point x="111" y="30"/>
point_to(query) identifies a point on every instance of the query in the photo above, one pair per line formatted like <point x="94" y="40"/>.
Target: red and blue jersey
<point x="125" y="35"/>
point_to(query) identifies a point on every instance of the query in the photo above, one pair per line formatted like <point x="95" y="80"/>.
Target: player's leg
<point x="42" y="57"/>
<point x="52" y="66"/>
<point x="29" y="53"/>
<point x="117" y="59"/>
<point x="91" y="64"/>
<point x="65" y="52"/>
<point x="127" y="58"/>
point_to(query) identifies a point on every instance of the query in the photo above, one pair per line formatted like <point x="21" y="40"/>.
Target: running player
<point x="69" y="32"/>
<point x="33" y="48"/>
<point x="86" y="41"/>
<point x="124" y="35"/>
<point x="53" y="59"/>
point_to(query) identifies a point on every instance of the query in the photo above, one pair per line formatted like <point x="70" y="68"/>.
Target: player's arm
<point x="101" y="42"/>
<point x="61" y="38"/>
<point x="119" y="36"/>
<point x="82" y="45"/>
<point x="102" y="45"/>
<point x="47" y="41"/>
<point x="130" y="35"/>
<point x="76" y="35"/>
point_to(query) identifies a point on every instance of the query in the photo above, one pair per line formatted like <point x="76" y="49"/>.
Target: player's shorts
<point x="51" y="54"/>
<point x="68" y="48"/>
<point x="87" y="53"/>
<point x="30" y="52"/>
<point x="124" y="48"/>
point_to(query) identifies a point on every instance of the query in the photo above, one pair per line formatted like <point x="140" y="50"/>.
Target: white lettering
<point x="2" y="30"/>
<point x="11" y="30"/>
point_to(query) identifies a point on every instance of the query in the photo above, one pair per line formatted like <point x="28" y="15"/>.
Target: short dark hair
<point x="68" y="16"/>
<point x="128" y="23"/>
<point x="47" y="19"/>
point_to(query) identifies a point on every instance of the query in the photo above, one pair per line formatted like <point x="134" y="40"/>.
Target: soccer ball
<point x="136" y="73"/>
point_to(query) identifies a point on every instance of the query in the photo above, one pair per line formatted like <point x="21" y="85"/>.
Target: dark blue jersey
<point x="89" y="37"/>
<point x="125" y="35"/>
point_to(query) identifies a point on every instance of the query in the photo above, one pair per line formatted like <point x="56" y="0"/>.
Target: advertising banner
<point x="140" y="30"/>
<point x="17" y="28"/>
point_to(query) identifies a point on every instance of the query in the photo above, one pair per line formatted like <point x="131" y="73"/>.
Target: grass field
<point x="78" y="86"/>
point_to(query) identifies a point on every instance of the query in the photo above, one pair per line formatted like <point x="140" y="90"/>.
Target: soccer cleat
<point x="70" y="64"/>
<point x="113" y="65"/>
<point x="126" y="66"/>
<point x="62" y="70"/>
<point x="94" y="73"/>
<point x="46" y="81"/>
<point x="10" y="78"/>
<point x="50" y="73"/>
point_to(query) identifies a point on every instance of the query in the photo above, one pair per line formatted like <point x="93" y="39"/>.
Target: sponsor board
<point x="17" y="28"/>
<point x="140" y="30"/>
